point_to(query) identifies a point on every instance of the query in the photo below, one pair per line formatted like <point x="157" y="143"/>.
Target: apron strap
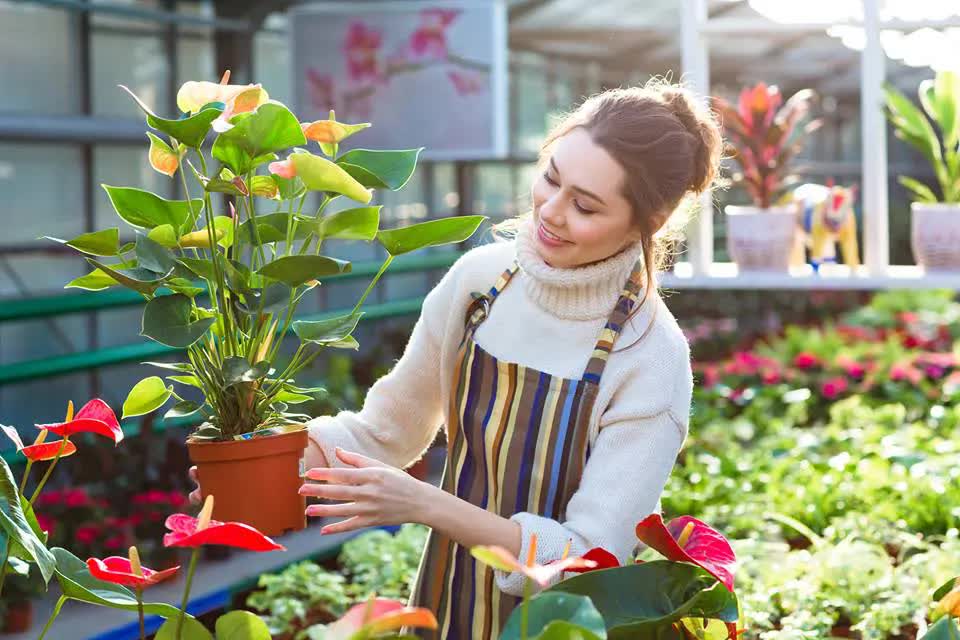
<point x="608" y="336"/>
<point x="480" y="307"/>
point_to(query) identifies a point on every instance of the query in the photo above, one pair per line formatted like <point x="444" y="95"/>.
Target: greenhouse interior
<point x="253" y="382"/>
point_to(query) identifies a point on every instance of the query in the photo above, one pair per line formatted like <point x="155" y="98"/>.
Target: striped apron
<point x="517" y="440"/>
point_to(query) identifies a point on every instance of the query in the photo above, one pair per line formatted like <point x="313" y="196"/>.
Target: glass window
<point x="271" y="60"/>
<point x="43" y="42"/>
<point x="41" y="190"/>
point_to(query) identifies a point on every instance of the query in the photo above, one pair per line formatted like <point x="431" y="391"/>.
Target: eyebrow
<point x="589" y="194"/>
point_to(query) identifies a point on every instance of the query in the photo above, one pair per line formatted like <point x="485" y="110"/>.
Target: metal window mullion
<point x="876" y="232"/>
<point x="696" y="73"/>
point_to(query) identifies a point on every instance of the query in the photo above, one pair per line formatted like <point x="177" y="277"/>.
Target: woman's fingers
<point x="350" y="524"/>
<point x="356" y="459"/>
<point x="195" y="496"/>
<point x="330" y="491"/>
<point x="332" y="510"/>
<point x="336" y="475"/>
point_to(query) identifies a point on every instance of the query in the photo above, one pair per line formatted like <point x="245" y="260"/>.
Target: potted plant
<point x="22" y="587"/>
<point x="223" y="286"/>
<point x="764" y="135"/>
<point x="935" y="219"/>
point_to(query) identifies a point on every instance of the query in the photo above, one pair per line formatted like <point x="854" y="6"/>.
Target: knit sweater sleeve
<point x="630" y="462"/>
<point x="403" y="410"/>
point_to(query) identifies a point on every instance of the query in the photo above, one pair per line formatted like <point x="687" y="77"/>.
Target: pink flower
<point x="771" y="377"/>
<point x="466" y="83"/>
<point x="46" y="523"/>
<point x="429" y="41"/>
<point x="50" y="498"/>
<point x="87" y="534"/>
<point x="320" y="90"/>
<point x="361" y="46"/>
<point x="833" y="387"/>
<point x="806" y="360"/>
<point x="76" y="498"/>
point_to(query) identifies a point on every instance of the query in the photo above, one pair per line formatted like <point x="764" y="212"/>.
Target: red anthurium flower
<point x="601" y="559"/>
<point x="499" y="558"/>
<point x="686" y="539"/>
<point x="378" y="616"/>
<point x="49" y="450"/>
<point x="120" y="570"/>
<point x="185" y="532"/>
<point x="95" y="417"/>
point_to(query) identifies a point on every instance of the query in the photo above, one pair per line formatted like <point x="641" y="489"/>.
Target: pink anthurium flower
<point x="283" y="168"/>
<point x="120" y="570"/>
<point x="94" y="417"/>
<point x="237" y="98"/>
<point x="501" y="559"/>
<point x="378" y="616"/>
<point x="686" y="539"/>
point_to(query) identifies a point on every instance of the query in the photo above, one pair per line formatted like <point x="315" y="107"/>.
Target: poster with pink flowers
<point x="427" y="74"/>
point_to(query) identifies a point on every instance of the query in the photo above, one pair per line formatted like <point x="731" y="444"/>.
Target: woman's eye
<point x="546" y="176"/>
<point x="582" y="209"/>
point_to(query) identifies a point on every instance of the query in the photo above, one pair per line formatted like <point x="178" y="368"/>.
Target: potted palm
<point x="935" y="219"/>
<point x="765" y="134"/>
<point x="223" y="286"/>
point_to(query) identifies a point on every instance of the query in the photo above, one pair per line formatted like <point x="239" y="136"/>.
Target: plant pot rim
<point x="942" y="206"/>
<point x="223" y="450"/>
<point x="748" y="209"/>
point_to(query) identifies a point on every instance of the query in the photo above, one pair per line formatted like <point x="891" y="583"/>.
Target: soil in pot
<point x="255" y="481"/>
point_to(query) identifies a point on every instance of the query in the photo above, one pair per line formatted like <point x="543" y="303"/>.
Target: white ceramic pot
<point x="935" y="235"/>
<point x="761" y="239"/>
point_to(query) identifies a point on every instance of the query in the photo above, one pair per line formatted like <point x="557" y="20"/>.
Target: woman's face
<point x="580" y="215"/>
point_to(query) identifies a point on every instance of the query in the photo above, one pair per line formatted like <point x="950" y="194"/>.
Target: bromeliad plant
<point x="256" y="260"/>
<point x="765" y="135"/>
<point x="940" y="99"/>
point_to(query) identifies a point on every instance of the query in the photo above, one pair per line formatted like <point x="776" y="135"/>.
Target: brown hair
<point x="669" y="145"/>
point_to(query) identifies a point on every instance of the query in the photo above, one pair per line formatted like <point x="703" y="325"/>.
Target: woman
<point x="565" y="387"/>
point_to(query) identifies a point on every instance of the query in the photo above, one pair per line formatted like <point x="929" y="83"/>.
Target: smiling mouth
<point x="550" y="235"/>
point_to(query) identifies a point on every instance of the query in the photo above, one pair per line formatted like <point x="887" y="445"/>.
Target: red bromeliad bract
<point x="686" y="539"/>
<point x="119" y="570"/>
<point x="184" y="533"/>
<point x="95" y="417"/>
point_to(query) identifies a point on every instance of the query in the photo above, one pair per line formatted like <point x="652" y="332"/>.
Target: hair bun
<point x="701" y="123"/>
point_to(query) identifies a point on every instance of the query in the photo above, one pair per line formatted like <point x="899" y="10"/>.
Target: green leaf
<point x="922" y="192"/>
<point x="296" y="270"/>
<point x="96" y="280"/>
<point x="201" y="268"/>
<point x="238" y="276"/>
<point x="272" y="227"/>
<point x="327" y="331"/>
<point x="183" y="286"/>
<point x="347" y="343"/>
<point x="946" y="588"/>
<point x="380" y="169"/>
<point x="290" y="397"/>
<point x="153" y="256"/>
<point x="943" y="629"/>
<point x="77" y="584"/>
<point x="190" y="131"/>
<point x="557" y="616"/>
<point x="147" y="210"/>
<point x="137" y="278"/>
<point x="241" y="625"/>
<point x="290" y="187"/>
<point x="237" y="369"/>
<point x="206" y="432"/>
<point x="182" y="409"/>
<point x="172" y="366"/>
<point x="192" y="381"/>
<point x="273" y="297"/>
<point x="264" y="187"/>
<point x="946" y="94"/>
<point x="361" y="223"/>
<point x="17" y="527"/>
<point x="146" y="396"/>
<point x="637" y="600"/>
<point x="164" y="235"/>
<point x="192" y="630"/>
<point x="97" y="243"/>
<point x="166" y="319"/>
<point x="256" y="135"/>
<point x="320" y="174"/>
<point x="429" y="234"/>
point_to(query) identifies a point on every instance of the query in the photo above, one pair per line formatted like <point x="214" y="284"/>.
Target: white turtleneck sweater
<point x="547" y="319"/>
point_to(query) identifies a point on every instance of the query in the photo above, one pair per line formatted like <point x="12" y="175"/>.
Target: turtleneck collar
<point x="580" y="293"/>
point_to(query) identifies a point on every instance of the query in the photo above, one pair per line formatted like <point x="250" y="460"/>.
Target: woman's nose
<point x="552" y="211"/>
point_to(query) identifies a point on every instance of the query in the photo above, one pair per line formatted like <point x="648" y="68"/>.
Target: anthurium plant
<point x="224" y="284"/>
<point x="940" y="99"/>
<point x="765" y="134"/>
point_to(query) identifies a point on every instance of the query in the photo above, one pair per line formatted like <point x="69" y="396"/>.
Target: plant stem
<point x="26" y="474"/>
<point x="524" y="613"/>
<point x="3" y="567"/>
<point x="143" y="634"/>
<point x="186" y="591"/>
<point x="383" y="267"/>
<point x="46" y="476"/>
<point x="53" y="616"/>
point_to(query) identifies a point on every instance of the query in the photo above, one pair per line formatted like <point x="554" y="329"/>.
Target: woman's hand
<point x="195" y="497"/>
<point x="370" y="492"/>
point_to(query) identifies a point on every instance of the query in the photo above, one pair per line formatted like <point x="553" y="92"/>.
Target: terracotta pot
<point x="935" y="235"/>
<point x="761" y="239"/>
<point x="255" y="481"/>
<point x="19" y="617"/>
